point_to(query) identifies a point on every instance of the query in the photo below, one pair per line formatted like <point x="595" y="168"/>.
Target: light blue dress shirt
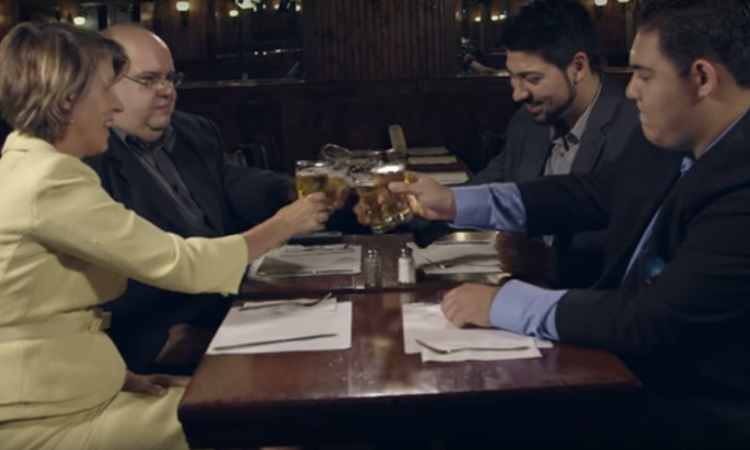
<point x="521" y="307"/>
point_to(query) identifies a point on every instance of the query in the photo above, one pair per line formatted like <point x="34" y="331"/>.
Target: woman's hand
<point x="303" y="216"/>
<point x="156" y="385"/>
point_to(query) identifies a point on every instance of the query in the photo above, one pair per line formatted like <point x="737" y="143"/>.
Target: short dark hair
<point x="554" y="29"/>
<point x="715" y="30"/>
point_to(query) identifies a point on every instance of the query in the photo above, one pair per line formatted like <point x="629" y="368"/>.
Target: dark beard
<point x="555" y="115"/>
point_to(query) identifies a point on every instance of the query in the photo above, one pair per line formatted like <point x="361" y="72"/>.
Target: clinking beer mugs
<point x="319" y="176"/>
<point x="385" y="209"/>
<point x="370" y="174"/>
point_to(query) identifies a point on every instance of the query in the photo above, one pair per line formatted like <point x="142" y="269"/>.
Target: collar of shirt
<point x="562" y="135"/>
<point x="689" y="160"/>
<point x="166" y="142"/>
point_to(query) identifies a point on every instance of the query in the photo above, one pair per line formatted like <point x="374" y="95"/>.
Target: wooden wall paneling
<point x="379" y="39"/>
<point x="310" y="47"/>
<point x="8" y="15"/>
<point x="188" y="41"/>
<point x="410" y="32"/>
<point x="368" y="50"/>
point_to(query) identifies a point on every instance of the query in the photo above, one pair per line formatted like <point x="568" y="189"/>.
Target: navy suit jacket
<point x="613" y="119"/>
<point x="681" y="317"/>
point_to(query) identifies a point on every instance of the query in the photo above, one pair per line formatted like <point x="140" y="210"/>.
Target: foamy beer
<point x="395" y="207"/>
<point x="318" y="176"/>
<point x="374" y="200"/>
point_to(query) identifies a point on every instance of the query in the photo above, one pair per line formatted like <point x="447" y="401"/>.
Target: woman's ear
<point x="67" y="107"/>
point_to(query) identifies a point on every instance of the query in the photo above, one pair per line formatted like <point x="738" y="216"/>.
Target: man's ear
<point x="705" y="77"/>
<point x="579" y="67"/>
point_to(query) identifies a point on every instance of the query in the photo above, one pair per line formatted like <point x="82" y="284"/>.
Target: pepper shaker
<point x="371" y="268"/>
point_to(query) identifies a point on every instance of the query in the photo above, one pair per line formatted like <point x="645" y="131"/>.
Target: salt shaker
<point x="406" y="270"/>
<point x="371" y="267"/>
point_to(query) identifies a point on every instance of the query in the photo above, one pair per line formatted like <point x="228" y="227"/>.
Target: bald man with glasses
<point x="170" y="168"/>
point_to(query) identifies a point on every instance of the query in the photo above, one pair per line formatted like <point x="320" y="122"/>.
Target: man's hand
<point x="469" y="304"/>
<point x="156" y="385"/>
<point x="429" y="199"/>
<point x="340" y="195"/>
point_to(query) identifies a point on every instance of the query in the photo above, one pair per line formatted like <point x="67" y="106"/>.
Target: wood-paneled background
<point x="380" y="39"/>
<point x="341" y="39"/>
<point x="369" y="64"/>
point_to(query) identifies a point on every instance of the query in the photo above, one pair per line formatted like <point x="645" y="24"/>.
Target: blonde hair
<point x="45" y="65"/>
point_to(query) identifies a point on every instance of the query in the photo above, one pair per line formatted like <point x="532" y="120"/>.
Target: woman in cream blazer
<point x="66" y="247"/>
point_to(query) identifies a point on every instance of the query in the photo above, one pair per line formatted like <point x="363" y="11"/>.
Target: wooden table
<point x="374" y="392"/>
<point x="389" y="246"/>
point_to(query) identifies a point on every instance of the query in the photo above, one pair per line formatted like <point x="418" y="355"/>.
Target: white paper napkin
<point x="426" y="322"/>
<point x="449" y="178"/>
<point x="457" y="257"/>
<point x="285" y="322"/>
<point x="305" y="261"/>
<point x="308" y="304"/>
<point x="427" y="160"/>
<point x="426" y="151"/>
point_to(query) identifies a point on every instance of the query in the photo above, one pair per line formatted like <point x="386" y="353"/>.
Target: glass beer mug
<point x="317" y="176"/>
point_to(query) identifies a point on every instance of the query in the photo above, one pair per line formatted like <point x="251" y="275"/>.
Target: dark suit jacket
<point x="681" y="317"/>
<point x="233" y="199"/>
<point x="527" y="146"/>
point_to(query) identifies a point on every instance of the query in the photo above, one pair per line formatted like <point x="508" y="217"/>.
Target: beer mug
<point x="395" y="207"/>
<point x="318" y="176"/>
<point x="374" y="200"/>
<point x="340" y="158"/>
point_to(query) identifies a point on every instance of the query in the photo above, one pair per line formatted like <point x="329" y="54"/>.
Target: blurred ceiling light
<point x="182" y="6"/>
<point x="495" y="18"/>
<point x="503" y="16"/>
<point x="298" y="7"/>
<point x="623" y="1"/>
<point x="477" y="19"/>
<point x="600" y="2"/>
<point x="233" y="13"/>
<point x="79" y="21"/>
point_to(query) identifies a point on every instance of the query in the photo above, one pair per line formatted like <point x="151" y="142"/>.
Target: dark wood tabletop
<point x="389" y="246"/>
<point x="374" y="392"/>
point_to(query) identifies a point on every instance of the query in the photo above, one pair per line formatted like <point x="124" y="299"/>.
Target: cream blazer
<point x="66" y="246"/>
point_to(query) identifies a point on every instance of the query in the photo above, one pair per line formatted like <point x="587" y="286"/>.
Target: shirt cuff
<point x="497" y="206"/>
<point x="471" y="206"/>
<point x="526" y="309"/>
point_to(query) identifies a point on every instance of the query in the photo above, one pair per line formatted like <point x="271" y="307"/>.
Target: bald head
<point x="140" y="44"/>
<point x="148" y="109"/>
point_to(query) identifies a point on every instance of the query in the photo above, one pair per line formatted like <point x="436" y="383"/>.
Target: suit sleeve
<point x="701" y="293"/>
<point x="254" y="194"/>
<point x="568" y="203"/>
<point x="74" y="215"/>
<point x="495" y="172"/>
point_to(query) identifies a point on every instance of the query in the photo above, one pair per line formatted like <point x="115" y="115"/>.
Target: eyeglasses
<point x="156" y="81"/>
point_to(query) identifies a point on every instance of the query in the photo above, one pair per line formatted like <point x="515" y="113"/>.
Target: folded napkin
<point x="426" y="151"/>
<point x="284" y="326"/>
<point x="280" y="306"/>
<point x="427" y="160"/>
<point x="305" y="261"/>
<point x="426" y="323"/>
<point x="449" y="178"/>
<point x="457" y="257"/>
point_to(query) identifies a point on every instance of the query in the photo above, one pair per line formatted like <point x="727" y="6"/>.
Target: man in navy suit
<point x="674" y="298"/>
<point x="572" y="119"/>
<point x="170" y="168"/>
